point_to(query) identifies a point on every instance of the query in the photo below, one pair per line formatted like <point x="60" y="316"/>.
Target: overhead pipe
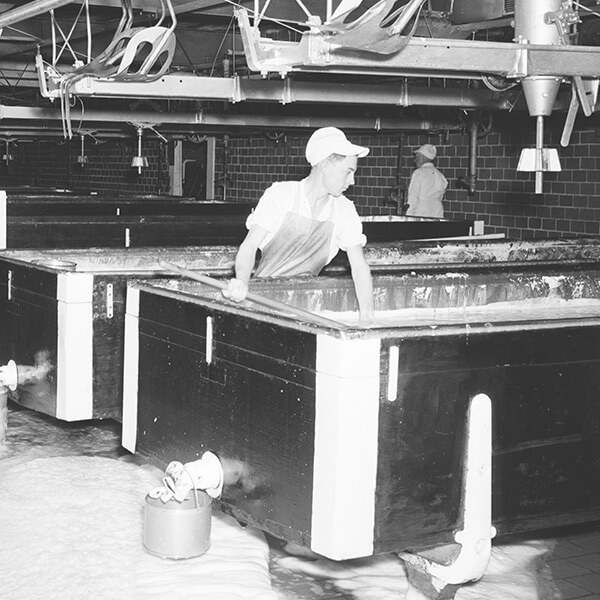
<point x="28" y="11"/>
<point x="200" y="120"/>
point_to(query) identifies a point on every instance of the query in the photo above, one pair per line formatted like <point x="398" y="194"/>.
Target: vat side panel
<point x="547" y="432"/>
<point x="543" y="385"/>
<point x="413" y="230"/>
<point x="130" y="370"/>
<point x="74" y="377"/>
<point x="240" y="387"/>
<point x="108" y="321"/>
<point x="422" y="423"/>
<point x="37" y="233"/>
<point x="188" y="231"/>
<point x="26" y="279"/>
<point x="346" y="440"/>
<point x="28" y="333"/>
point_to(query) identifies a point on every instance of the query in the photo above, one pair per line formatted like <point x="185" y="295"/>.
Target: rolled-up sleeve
<point x="350" y="228"/>
<point x="270" y="209"/>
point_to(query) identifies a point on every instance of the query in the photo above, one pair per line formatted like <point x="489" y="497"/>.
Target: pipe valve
<point x="8" y="375"/>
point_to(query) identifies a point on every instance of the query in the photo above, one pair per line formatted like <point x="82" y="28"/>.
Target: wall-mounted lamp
<point x="139" y="161"/>
<point x="82" y="158"/>
<point x="7" y="156"/>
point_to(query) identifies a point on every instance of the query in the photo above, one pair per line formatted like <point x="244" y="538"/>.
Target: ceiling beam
<point x="439" y="57"/>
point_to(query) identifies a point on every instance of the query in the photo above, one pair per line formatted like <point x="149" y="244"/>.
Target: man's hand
<point x="236" y="291"/>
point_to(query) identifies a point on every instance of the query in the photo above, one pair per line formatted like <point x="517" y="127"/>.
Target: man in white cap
<point x="299" y="226"/>
<point x="427" y="185"/>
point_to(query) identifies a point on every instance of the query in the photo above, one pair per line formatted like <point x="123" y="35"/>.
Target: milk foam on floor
<point x="515" y="572"/>
<point x="72" y="529"/>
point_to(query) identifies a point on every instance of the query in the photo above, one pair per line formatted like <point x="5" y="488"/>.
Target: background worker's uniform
<point x="426" y="192"/>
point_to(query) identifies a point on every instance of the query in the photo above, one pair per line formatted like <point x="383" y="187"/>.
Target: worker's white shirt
<point x="280" y="199"/>
<point x="426" y="192"/>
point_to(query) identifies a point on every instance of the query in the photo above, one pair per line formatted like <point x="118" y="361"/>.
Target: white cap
<point x="331" y="140"/>
<point x="428" y="151"/>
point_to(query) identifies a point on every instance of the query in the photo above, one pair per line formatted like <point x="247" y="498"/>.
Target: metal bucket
<point x="178" y="529"/>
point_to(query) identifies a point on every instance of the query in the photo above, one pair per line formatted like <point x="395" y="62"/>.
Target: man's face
<point x="420" y="159"/>
<point x="338" y="174"/>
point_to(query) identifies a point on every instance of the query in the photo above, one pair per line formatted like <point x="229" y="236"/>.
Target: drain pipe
<point x="473" y="159"/>
<point x="177" y="515"/>
<point x="470" y="181"/>
<point x="8" y="381"/>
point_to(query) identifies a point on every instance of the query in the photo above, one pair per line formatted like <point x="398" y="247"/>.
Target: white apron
<point x="299" y="247"/>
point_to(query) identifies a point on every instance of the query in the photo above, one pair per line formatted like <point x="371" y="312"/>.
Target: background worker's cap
<point x="428" y="151"/>
<point x="331" y="140"/>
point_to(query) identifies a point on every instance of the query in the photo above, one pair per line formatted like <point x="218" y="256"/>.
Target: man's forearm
<point x="363" y="286"/>
<point x="244" y="262"/>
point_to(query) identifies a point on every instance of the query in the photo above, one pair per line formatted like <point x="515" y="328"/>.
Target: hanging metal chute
<point x="141" y="54"/>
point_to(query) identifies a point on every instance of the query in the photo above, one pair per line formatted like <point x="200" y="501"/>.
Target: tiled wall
<point x="504" y="198"/>
<point x="247" y="163"/>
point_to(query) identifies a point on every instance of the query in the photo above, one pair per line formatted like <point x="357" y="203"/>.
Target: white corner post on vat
<point x="429" y="578"/>
<point x="131" y="370"/>
<point x="345" y="454"/>
<point x="75" y="376"/>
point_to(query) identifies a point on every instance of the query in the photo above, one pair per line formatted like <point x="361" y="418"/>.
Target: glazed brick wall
<point x="248" y="163"/>
<point x="504" y="198"/>
<point x="254" y="162"/>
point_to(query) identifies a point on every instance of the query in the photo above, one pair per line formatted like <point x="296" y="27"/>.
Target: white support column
<point x="210" y="168"/>
<point x="176" y="169"/>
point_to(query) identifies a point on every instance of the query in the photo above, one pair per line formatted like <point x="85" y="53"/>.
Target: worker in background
<point x="427" y="185"/>
<point x="299" y="226"/>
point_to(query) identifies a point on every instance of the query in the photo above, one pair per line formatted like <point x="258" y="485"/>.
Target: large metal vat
<point x="62" y="311"/>
<point x="62" y="320"/>
<point x="350" y="441"/>
<point x="34" y="220"/>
